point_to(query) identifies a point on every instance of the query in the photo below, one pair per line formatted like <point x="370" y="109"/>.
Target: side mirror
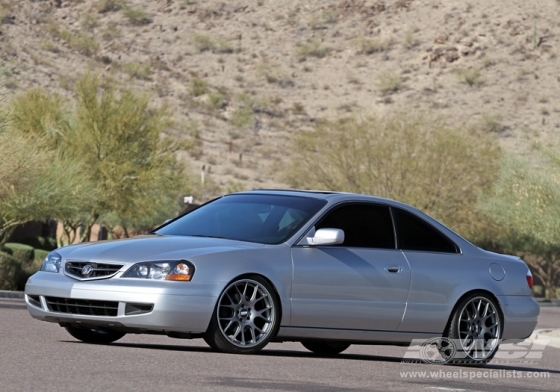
<point x="326" y="237"/>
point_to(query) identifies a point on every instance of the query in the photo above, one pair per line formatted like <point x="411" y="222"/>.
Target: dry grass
<point x="389" y="83"/>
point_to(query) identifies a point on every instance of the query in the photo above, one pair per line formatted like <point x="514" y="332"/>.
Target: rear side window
<point x="364" y="225"/>
<point x="416" y="234"/>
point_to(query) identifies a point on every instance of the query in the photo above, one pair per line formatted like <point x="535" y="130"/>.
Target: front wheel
<point x="475" y="330"/>
<point x="94" y="335"/>
<point x="325" y="347"/>
<point x="246" y="317"/>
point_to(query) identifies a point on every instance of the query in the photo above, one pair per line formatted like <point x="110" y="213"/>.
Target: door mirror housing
<point x="326" y="237"/>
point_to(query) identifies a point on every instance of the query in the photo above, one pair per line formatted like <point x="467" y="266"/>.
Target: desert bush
<point x="322" y="20"/>
<point x="416" y="159"/>
<point x="389" y="82"/>
<point x="50" y="47"/>
<point x="89" y="21"/>
<point x="373" y="45"/>
<point x="205" y="42"/>
<point x="273" y="73"/>
<point x="138" y="70"/>
<point x="84" y="43"/>
<point x="471" y="76"/>
<point x="136" y="16"/>
<point x="110" y="5"/>
<point x="217" y="100"/>
<point x="111" y="32"/>
<point x="313" y="48"/>
<point x="526" y="199"/>
<point x="242" y="116"/>
<point x="492" y="123"/>
<point x="198" y="87"/>
<point x="410" y="40"/>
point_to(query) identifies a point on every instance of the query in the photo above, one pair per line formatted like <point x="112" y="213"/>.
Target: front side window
<point x="266" y="219"/>
<point x="416" y="234"/>
<point x="364" y="225"/>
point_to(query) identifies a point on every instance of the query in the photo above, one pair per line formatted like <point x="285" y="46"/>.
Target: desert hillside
<point x="244" y="76"/>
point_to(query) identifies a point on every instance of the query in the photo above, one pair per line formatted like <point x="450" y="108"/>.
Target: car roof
<point x="318" y="194"/>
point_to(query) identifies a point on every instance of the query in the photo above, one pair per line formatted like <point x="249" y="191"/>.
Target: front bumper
<point x="521" y="314"/>
<point x="177" y="306"/>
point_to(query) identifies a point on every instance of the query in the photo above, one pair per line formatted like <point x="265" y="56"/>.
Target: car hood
<point x="151" y="248"/>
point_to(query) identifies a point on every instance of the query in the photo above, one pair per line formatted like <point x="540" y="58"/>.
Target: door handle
<point x="394" y="269"/>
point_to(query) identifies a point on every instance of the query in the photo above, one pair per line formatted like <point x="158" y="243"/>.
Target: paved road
<point x="39" y="356"/>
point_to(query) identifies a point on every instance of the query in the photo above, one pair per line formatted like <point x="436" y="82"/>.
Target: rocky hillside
<point x="244" y="76"/>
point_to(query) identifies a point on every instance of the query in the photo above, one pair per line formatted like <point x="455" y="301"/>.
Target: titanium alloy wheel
<point x="476" y="328"/>
<point x="246" y="317"/>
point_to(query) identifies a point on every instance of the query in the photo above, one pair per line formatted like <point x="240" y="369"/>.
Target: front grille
<point x="82" y="306"/>
<point x="85" y="270"/>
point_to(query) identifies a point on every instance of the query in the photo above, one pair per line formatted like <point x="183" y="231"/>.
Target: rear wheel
<point x="324" y="347"/>
<point x="94" y="335"/>
<point x="475" y="329"/>
<point x="246" y="317"/>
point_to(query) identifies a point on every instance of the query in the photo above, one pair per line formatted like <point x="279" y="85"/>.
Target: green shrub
<point x="40" y="255"/>
<point x="21" y="252"/>
<point x="10" y="272"/>
<point x="40" y="243"/>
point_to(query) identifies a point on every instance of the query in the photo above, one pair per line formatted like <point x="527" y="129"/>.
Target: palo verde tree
<point x="28" y="190"/>
<point x="526" y="199"/>
<point x="414" y="159"/>
<point x="120" y="139"/>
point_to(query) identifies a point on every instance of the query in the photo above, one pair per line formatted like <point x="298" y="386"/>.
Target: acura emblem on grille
<point x="87" y="270"/>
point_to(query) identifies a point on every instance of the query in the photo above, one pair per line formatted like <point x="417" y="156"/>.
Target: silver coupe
<point x="325" y="269"/>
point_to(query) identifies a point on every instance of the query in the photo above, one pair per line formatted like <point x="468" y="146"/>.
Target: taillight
<point x="530" y="279"/>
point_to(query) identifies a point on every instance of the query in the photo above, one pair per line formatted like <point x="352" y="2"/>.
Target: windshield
<point x="266" y="219"/>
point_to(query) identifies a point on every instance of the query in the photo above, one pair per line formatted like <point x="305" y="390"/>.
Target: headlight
<point x="162" y="270"/>
<point x="51" y="262"/>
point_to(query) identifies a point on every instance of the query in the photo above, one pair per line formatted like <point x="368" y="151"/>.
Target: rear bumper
<point x="177" y="306"/>
<point x="520" y="316"/>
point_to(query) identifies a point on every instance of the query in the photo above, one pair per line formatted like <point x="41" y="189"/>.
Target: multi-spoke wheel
<point x="94" y="335"/>
<point x="245" y="318"/>
<point x="476" y="328"/>
<point x="322" y="347"/>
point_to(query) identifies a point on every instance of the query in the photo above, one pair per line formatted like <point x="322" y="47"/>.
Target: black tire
<point x="94" y="335"/>
<point x="246" y="317"/>
<point x="475" y="331"/>
<point x="321" y="347"/>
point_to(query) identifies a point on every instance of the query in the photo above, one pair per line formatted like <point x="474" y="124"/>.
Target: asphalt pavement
<point x="40" y="356"/>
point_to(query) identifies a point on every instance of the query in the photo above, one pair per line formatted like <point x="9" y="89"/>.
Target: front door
<point x="361" y="284"/>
